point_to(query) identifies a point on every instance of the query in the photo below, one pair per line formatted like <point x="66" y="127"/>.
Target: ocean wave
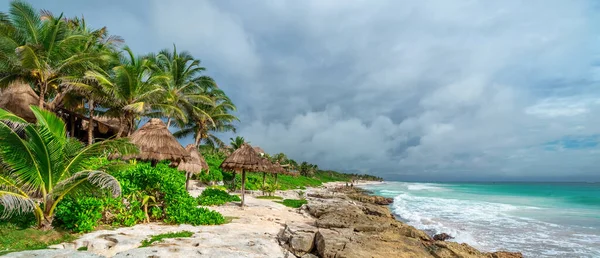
<point x="492" y="226"/>
<point x="425" y="187"/>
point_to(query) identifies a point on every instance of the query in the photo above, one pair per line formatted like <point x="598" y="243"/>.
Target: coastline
<point x="337" y="221"/>
<point x="361" y="223"/>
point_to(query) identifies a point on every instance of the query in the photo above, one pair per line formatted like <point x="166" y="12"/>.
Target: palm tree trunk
<point x="187" y="180"/>
<point x="198" y="138"/>
<point x="121" y="127"/>
<point x="131" y="126"/>
<point x="233" y="181"/>
<point x="43" y="87"/>
<point x="168" y="122"/>
<point x="90" y="131"/>
<point x="72" y="122"/>
<point x="199" y="134"/>
<point x="243" y="186"/>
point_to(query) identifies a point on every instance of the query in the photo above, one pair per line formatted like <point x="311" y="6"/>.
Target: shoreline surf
<point x="539" y="220"/>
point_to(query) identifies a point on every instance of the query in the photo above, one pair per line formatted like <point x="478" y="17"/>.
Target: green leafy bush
<point x="79" y="215"/>
<point x="168" y="186"/>
<point x="293" y="203"/>
<point x="212" y="176"/>
<point x="213" y="196"/>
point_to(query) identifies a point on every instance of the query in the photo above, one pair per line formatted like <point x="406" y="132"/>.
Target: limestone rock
<point x="52" y="253"/>
<point x="298" y="238"/>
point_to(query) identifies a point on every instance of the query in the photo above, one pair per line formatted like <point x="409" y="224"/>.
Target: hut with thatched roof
<point x="194" y="165"/>
<point x="156" y="143"/>
<point x="278" y="169"/>
<point x="268" y="168"/>
<point x="243" y="160"/>
<point x="17" y="98"/>
<point x="259" y="150"/>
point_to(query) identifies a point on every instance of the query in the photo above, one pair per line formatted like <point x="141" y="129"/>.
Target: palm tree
<point x="185" y="88"/>
<point x="213" y="119"/>
<point x="133" y="89"/>
<point x="237" y="142"/>
<point x="41" y="49"/>
<point x="87" y="87"/>
<point x="43" y="166"/>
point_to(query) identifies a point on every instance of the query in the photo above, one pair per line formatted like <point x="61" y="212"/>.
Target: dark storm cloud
<point x="423" y="90"/>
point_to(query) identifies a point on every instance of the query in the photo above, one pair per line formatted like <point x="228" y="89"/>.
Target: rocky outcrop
<point x="442" y="237"/>
<point x="298" y="238"/>
<point x="345" y="226"/>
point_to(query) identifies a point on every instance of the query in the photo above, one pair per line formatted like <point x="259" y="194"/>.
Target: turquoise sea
<point x="537" y="219"/>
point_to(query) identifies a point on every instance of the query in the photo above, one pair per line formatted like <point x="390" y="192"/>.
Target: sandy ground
<point x="252" y="233"/>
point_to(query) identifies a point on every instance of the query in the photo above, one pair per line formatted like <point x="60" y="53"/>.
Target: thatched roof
<point x="17" y="98"/>
<point x="156" y="143"/>
<point x="279" y="169"/>
<point x="106" y="124"/>
<point x="244" y="158"/>
<point x="195" y="163"/>
<point x="259" y="150"/>
<point x="268" y="166"/>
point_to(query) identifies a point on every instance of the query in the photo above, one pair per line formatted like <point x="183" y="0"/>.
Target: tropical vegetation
<point x="214" y="196"/>
<point x="55" y="171"/>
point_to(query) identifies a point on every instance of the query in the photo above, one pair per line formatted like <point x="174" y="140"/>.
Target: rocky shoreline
<point x="351" y="223"/>
<point x="336" y="222"/>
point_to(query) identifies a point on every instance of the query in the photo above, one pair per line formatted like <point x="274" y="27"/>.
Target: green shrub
<point x="213" y="196"/>
<point x="293" y="203"/>
<point x="156" y="238"/>
<point x="125" y="212"/>
<point x="79" y="215"/>
<point x="214" y="175"/>
<point x="168" y="186"/>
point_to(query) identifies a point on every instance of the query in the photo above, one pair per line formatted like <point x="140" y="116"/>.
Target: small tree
<point x="237" y="142"/>
<point x="41" y="165"/>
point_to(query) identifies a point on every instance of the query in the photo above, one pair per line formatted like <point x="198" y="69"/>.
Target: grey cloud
<point x="415" y="90"/>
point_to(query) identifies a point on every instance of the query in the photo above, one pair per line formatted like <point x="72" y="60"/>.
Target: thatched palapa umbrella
<point x="156" y="143"/>
<point x="278" y="169"/>
<point x="244" y="159"/>
<point x="17" y="98"/>
<point x="194" y="165"/>
<point x="269" y="168"/>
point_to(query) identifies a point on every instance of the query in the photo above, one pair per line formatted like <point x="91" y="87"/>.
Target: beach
<point x="265" y="228"/>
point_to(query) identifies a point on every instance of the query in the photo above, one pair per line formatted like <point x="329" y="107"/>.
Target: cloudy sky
<point x="408" y="90"/>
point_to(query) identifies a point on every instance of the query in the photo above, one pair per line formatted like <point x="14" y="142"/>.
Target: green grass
<point x="157" y="238"/>
<point x="270" y="197"/>
<point x="83" y="248"/>
<point x="20" y="239"/>
<point x="293" y="203"/>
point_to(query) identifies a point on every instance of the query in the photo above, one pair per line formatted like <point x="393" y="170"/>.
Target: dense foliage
<point x="149" y="193"/>
<point x="213" y="196"/>
<point x="45" y="162"/>
<point x="167" y="185"/>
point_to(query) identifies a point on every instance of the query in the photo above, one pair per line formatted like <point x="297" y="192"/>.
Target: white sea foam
<point x="425" y="187"/>
<point x="492" y="226"/>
